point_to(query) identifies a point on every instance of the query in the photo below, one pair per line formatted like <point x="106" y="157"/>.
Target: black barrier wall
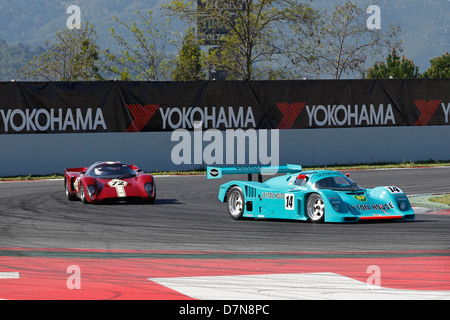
<point x="114" y="106"/>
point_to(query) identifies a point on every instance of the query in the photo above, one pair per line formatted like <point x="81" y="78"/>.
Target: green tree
<point x="144" y="55"/>
<point x="344" y="43"/>
<point x="253" y="48"/>
<point x="439" y="69"/>
<point x="189" y="62"/>
<point x="73" y="56"/>
<point x="394" y="68"/>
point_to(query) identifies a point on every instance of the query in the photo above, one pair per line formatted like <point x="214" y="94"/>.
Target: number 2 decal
<point x="289" y="203"/>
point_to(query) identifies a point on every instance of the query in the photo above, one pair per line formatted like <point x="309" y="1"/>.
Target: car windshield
<point x="112" y="171"/>
<point x="339" y="183"/>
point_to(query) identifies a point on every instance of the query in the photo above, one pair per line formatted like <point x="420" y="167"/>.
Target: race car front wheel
<point x="83" y="194"/>
<point x="69" y="195"/>
<point x="236" y="203"/>
<point x="315" y="208"/>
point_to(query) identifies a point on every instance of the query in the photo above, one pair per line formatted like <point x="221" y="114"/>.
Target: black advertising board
<point x="114" y="106"/>
<point x="57" y="107"/>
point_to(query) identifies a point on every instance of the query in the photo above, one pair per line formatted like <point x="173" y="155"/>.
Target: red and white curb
<point x="89" y="275"/>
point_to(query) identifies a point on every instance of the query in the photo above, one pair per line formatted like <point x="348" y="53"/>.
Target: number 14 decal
<point x="289" y="203"/>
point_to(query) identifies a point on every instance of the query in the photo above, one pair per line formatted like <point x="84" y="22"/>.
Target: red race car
<point x="107" y="181"/>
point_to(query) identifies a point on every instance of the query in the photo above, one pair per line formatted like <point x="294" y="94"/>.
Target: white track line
<point x="304" y="286"/>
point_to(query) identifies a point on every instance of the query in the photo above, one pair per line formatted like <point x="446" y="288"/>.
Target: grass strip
<point x="444" y="199"/>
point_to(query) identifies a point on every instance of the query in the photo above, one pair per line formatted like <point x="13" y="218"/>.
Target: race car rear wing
<point x="218" y="172"/>
<point x="76" y="170"/>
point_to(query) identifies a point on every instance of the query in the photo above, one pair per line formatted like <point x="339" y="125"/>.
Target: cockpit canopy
<point x="110" y="170"/>
<point x="337" y="183"/>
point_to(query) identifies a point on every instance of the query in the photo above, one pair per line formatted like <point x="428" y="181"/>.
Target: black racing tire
<point x="83" y="194"/>
<point x="70" y="196"/>
<point x="152" y="199"/>
<point x="315" y="208"/>
<point x="236" y="203"/>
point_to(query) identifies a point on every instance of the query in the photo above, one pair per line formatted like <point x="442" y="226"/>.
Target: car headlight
<point x="403" y="203"/>
<point x="91" y="191"/>
<point x="337" y="204"/>
<point x="148" y="188"/>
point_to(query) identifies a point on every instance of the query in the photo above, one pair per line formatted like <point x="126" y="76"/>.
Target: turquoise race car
<point x="316" y="196"/>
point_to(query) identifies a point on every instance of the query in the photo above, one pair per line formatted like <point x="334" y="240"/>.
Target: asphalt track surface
<point x="187" y="222"/>
<point x="187" y="216"/>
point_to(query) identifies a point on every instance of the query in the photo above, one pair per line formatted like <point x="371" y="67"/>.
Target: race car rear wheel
<point x="315" y="208"/>
<point x="236" y="203"/>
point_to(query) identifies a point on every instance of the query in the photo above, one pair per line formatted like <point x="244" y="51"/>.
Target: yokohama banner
<point x="69" y="107"/>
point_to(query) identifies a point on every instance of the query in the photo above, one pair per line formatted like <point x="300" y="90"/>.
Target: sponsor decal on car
<point x="367" y="207"/>
<point x="272" y="195"/>
<point x="360" y="198"/>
